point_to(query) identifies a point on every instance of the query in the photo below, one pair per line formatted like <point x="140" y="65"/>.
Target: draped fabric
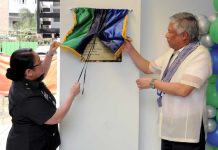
<point x="109" y="25"/>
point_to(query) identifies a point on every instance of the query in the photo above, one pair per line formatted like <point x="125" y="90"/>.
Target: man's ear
<point x="28" y="73"/>
<point x="185" y="35"/>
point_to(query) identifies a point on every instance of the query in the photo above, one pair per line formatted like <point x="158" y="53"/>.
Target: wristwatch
<point x="151" y="84"/>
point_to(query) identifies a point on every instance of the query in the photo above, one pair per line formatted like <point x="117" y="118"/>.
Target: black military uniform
<point x="31" y="104"/>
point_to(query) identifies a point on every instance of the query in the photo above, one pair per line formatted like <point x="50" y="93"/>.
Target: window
<point x="55" y="10"/>
<point x="56" y="19"/>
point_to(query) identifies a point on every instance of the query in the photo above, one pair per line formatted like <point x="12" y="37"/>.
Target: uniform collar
<point x="31" y="84"/>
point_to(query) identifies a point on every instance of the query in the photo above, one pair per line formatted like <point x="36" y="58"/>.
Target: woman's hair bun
<point x="13" y="74"/>
<point x="20" y="60"/>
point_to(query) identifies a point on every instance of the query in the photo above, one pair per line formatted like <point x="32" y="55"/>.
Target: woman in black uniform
<point x="31" y="105"/>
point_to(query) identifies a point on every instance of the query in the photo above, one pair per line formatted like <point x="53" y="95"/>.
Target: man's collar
<point x="178" y="51"/>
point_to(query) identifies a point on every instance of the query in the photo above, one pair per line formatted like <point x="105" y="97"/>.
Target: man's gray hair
<point x="186" y="22"/>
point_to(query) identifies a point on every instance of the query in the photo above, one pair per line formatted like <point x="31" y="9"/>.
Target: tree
<point x="27" y="22"/>
<point x="26" y="28"/>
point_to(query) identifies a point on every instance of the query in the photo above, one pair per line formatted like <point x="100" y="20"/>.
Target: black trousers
<point x="170" y="145"/>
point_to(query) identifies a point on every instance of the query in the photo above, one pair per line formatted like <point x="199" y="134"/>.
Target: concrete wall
<point x="106" y="117"/>
<point x="4" y="23"/>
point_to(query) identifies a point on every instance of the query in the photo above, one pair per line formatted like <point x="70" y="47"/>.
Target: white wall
<point x="154" y="18"/>
<point x="106" y="117"/>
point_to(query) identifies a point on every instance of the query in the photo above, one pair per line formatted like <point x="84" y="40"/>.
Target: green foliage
<point x="25" y="30"/>
<point x="27" y="22"/>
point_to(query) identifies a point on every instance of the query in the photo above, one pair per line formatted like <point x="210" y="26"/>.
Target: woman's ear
<point x="28" y="73"/>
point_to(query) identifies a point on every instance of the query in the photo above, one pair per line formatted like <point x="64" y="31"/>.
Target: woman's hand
<point x="65" y="106"/>
<point x="75" y="89"/>
<point x="53" y="47"/>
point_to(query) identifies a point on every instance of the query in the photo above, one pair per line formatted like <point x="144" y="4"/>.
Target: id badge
<point x="159" y="101"/>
